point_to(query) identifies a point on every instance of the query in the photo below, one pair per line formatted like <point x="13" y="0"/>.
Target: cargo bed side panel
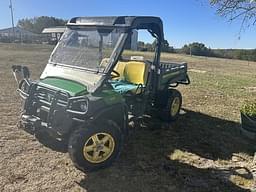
<point x="171" y="73"/>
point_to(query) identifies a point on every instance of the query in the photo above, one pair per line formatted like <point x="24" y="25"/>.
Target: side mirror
<point x="20" y="73"/>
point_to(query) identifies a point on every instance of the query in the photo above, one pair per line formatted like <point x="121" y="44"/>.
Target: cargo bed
<point x="172" y="74"/>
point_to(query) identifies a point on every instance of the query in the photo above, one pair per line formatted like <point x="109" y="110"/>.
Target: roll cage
<point x="128" y="23"/>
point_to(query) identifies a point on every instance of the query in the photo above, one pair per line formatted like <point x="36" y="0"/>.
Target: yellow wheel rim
<point x="175" y="106"/>
<point x="99" y="147"/>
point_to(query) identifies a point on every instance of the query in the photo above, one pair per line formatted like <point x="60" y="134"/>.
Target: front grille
<point x="48" y="101"/>
<point x="46" y="97"/>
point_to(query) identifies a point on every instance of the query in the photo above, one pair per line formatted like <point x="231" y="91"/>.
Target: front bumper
<point x="51" y="111"/>
<point x="33" y="125"/>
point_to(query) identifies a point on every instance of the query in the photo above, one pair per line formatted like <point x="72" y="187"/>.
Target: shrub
<point x="249" y="108"/>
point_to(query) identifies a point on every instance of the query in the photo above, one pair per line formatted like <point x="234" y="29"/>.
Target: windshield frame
<point x="115" y="52"/>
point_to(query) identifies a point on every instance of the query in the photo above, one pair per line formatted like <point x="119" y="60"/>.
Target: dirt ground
<point x="202" y="151"/>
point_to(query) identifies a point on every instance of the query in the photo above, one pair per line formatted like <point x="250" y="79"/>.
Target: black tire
<point x="167" y="112"/>
<point x="83" y="135"/>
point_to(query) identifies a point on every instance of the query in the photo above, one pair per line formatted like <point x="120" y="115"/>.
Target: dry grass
<point x="202" y="151"/>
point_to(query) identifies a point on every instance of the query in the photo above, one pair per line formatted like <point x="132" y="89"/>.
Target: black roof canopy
<point x="132" y="22"/>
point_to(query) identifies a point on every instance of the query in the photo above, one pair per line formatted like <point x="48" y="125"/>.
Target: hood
<point x="72" y="87"/>
<point x="89" y="80"/>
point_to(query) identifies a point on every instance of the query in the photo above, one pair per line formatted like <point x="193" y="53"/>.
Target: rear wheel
<point x="171" y="110"/>
<point x="95" y="147"/>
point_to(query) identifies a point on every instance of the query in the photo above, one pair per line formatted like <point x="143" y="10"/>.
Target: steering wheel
<point x="115" y="74"/>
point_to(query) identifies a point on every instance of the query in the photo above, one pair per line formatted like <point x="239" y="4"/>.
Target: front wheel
<point x="96" y="146"/>
<point x="173" y="105"/>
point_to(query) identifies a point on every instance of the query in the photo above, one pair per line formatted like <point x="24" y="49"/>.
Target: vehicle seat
<point x="136" y="72"/>
<point x="132" y="79"/>
<point x="120" y="69"/>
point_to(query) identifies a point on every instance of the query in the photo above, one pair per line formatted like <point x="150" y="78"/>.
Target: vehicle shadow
<point x="167" y="176"/>
<point x="207" y="136"/>
<point x="145" y="163"/>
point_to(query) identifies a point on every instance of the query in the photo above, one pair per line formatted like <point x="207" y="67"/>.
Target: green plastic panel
<point x="72" y="87"/>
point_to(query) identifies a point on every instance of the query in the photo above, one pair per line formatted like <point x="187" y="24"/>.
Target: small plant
<point x="248" y="119"/>
<point x="249" y="108"/>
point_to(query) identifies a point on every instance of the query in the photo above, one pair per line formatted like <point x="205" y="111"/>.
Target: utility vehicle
<point x="88" y="91"/>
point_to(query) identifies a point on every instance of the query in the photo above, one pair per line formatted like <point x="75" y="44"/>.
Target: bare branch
<point x="243" y="10"/>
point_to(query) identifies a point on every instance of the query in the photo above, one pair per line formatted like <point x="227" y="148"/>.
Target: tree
<point x="165" y="47"/>
<point x="185" y="49"/>
<point x="37" y="24"/>
<point x="141" y="46"/>
<point x="237" y="9"/>
<point x="196" y="49"/>
<point x="171" y="49"/>
<point x="149" y="47"/>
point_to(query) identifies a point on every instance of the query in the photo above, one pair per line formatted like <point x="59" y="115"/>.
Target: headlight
<point x="84" y="106"/>
<point x="78" y="105"/>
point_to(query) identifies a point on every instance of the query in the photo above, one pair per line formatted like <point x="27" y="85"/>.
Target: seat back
<point x="120" y="69"/>
<point x="136" y="72"/>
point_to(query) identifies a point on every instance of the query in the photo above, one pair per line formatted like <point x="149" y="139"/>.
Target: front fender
<point x="117" y="113"/>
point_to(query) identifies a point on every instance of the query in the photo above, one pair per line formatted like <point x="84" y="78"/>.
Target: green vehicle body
<point x="73" y="88"/>
<point x="67" y="97"/>
<point x="109" y="96"/>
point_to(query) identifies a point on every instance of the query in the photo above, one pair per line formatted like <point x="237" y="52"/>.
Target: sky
<point x="185" y="21"/>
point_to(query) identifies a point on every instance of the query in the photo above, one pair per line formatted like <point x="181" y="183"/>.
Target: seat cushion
<point x="123" y="86"/>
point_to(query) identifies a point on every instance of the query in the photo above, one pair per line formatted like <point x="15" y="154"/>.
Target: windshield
<point x="86" y="48"/>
